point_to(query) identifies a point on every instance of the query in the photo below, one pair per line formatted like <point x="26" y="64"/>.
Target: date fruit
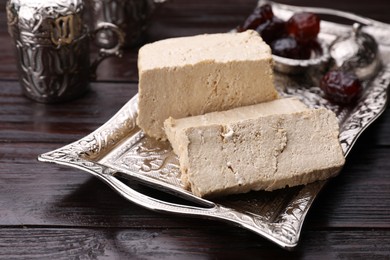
<point x="294" y="39"/>
<point x="258" y="16"/>
<point x="304" y="26"/>
<point x="272" y="29"/>
<point x="342" y="87"/>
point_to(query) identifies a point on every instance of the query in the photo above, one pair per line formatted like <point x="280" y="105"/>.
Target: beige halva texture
<point x="189" y="76"/>
<point x="266" y="146"/>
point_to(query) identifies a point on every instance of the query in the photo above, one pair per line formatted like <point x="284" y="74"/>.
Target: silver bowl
<point x="319" y="60"/>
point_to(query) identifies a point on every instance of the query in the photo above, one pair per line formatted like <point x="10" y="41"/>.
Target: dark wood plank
<point x="375" y="9"/>
<point x="23" y="120"/>
<point x="39" y="194"/>
<point x="197" y="243"/>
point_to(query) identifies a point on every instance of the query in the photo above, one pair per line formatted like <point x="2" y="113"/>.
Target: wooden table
<point x="53" y="212"/>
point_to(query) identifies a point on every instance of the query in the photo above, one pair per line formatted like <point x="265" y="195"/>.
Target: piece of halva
<point x="193" y="75"/>
<point x="266" y="146"/>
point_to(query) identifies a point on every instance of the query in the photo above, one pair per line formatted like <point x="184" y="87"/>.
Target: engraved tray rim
<point x="284" y="230"/>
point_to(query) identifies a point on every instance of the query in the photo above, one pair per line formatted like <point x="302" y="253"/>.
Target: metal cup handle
<point x="103" y="52"/>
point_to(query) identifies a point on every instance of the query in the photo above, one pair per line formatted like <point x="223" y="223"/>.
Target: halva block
<point x="266" y="146"/>
<point x="190" y="76"/>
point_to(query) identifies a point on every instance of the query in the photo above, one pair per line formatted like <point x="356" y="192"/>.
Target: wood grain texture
<point x="54" y="212"/>
<point x="199" y="243"/>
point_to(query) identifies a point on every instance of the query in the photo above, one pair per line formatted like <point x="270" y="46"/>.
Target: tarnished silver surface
<point x="131" y="16"/>
<point x="52" y="48"/>
<point x="356" y="52"/>
<point x="353" y="50"/>
<point x="318" y="61"/>
<point x="119" y="149"/>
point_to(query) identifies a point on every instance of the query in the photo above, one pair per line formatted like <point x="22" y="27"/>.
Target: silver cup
<point x="131" y="16"/>
<point x="52" y="47"/>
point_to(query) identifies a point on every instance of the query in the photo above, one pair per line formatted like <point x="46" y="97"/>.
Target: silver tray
<point x="118" y="150"/>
